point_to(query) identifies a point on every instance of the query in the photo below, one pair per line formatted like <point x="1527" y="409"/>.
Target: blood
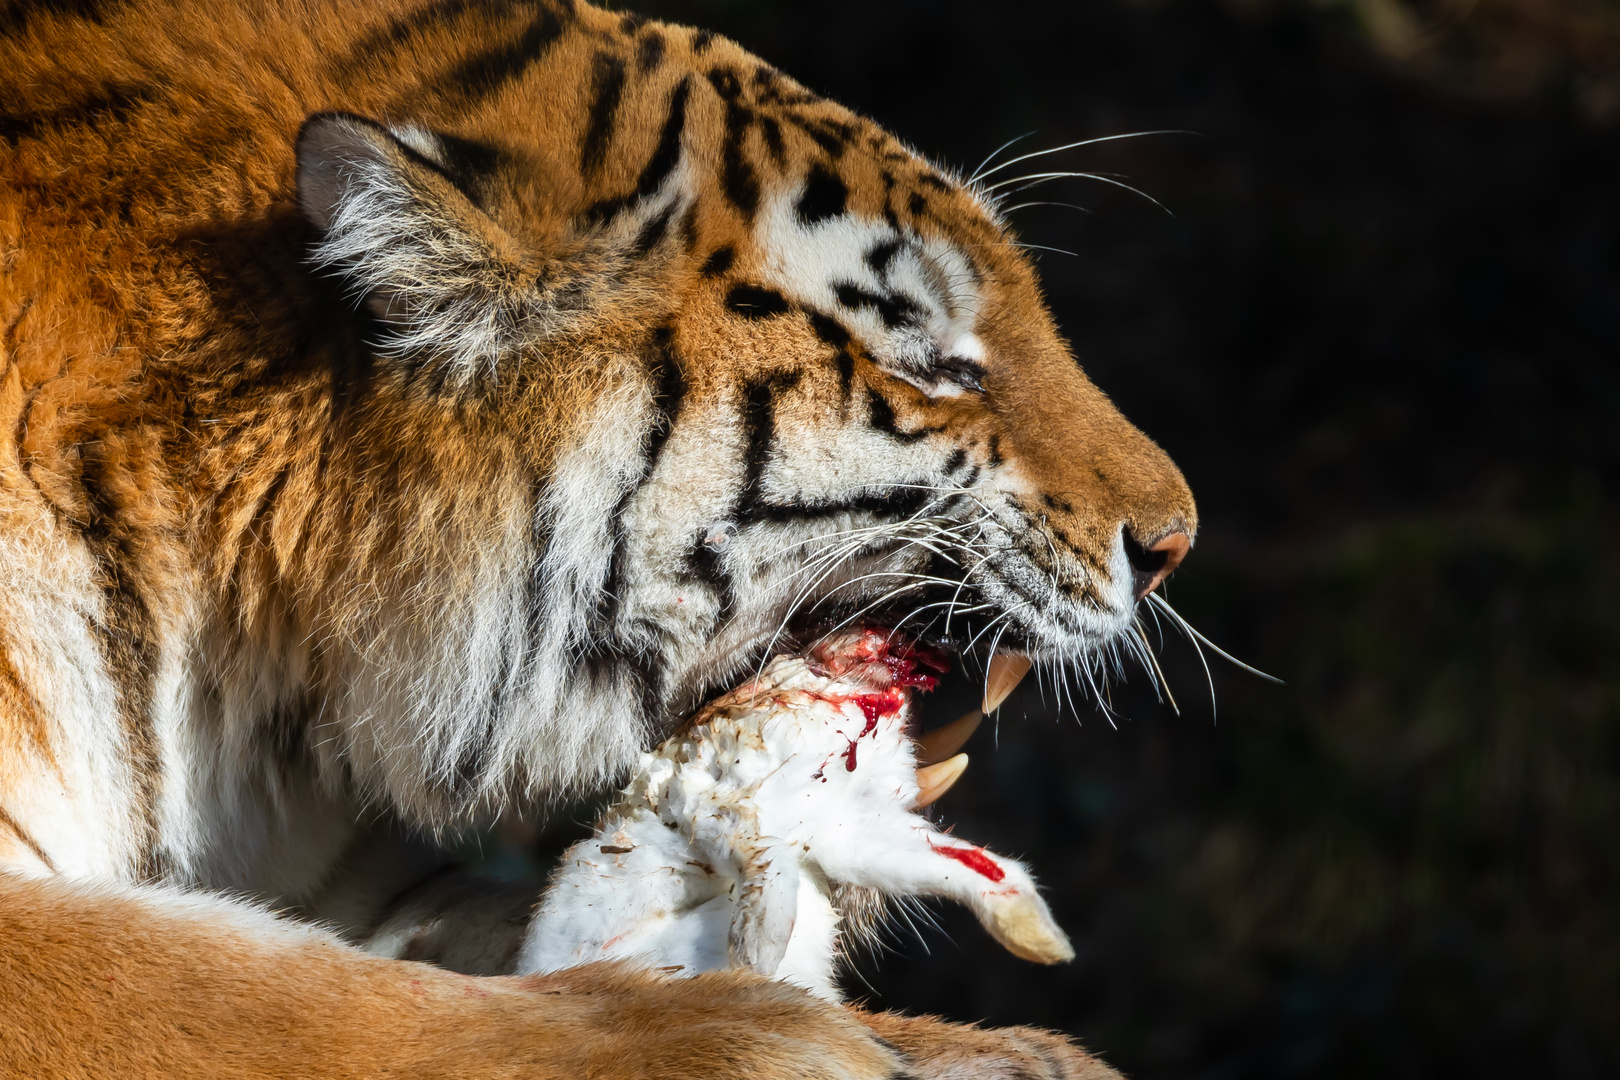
<point x="974" y="859"/>
<point x="904" y="668"/>
<point x="876" y="706"/>
<point x="909" y="664"/>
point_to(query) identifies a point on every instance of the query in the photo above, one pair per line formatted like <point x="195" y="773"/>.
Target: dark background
<point x="1381" y="335"/>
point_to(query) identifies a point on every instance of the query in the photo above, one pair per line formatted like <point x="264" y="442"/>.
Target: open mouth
<point x="896" y="667"/>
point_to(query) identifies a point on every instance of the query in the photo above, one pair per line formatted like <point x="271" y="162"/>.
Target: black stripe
<point x="630" y="22"/>
<point x="605" y="210"/>
<point x="719" y="262"/>
<point x="535" y="588"/>
<point x="607" y="86"/>
<point x="669" y="395"/>
<point x="829" y="330"/>
<point x="880" y="414"/>
<point x="893" y="502"/>
<point x="16" y="16"/>
<point x="127" y="635"/>
<point x="737" y="176"/>
<point x="825" y="195"/>
<point x="652" y="232"/>
<point x="881" y="255"/>
<point x="846" y="377"/>
<point x="112" y="104"/>
<point x="668" y="153"/>
<point x="689" y="229"/>
<point x="486" y="73"/>
<point x="701" y="42"/>
<point x="650" y="51"/>
<point x="827" y="140"/>
<point x="759" y="422"/>
<point x="774" y="88"/>
<point x="404" y="28"/>
<point x="995" y="451"/>
<point x="663" y="161"/>
<point x="892" y="309"/>
<point x="772" y="131"/>
<point x="467" y="164"/>
<point x="754" y="302"/>
<point x="397" y="31"/>
<point x="609" y="597"/>
<point x="707" y="565"/>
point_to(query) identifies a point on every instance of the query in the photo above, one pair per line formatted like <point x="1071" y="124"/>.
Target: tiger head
<point x="752" y="368"/>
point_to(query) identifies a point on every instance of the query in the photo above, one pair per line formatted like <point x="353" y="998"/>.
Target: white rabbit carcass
<point x="725" y="848"/>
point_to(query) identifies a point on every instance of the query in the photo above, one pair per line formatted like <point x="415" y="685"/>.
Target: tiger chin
<point x="411" y="410"/>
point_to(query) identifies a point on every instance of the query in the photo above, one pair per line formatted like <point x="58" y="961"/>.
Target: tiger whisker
<point x="1039" y="178"/>
<point x="977" y="176"/>
<point x="992" y="156"/>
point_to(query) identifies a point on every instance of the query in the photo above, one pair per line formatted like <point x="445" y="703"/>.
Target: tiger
<point x="411" y="410"/>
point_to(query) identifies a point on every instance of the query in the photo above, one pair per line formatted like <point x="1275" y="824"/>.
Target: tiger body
<point x="409" y="412"/>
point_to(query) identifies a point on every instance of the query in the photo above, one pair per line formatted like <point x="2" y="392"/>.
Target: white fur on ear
<point x="445" y="279"/>
<point x="334" y="152"/>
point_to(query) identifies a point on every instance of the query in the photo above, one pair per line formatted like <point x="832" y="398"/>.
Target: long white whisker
<point x="1208" y="675"/>
<point x="1036" y="178"/>
<point x="1147" y="650"/>
<point x="1072" y="146"/>
<point x="1045" y="202"/>
<point x="978" y="173"/>
<point x="1222" y="653"/>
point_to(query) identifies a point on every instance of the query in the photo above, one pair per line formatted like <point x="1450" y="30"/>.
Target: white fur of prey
<point x="724" y="848"/>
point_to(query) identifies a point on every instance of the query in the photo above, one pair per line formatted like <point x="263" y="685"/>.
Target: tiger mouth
<point x="909" y="667"/>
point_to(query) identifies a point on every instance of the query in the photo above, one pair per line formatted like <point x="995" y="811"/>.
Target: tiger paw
<point x="715" y="1026"/>
<point x="936" y="1050"/>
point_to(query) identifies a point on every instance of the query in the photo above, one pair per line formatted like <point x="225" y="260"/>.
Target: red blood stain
<point x="974" y="859"/>
<point x="903" y="669"/>
<point x="849" y="755"/>
<point x="878" y="705"/>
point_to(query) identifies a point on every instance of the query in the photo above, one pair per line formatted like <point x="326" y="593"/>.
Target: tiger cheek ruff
<point x="413" y="410"/>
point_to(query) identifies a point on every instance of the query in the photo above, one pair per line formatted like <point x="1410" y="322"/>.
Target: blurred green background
<point x="1381" y="335"/>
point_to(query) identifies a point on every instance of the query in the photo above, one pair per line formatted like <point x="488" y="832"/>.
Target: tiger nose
<point x="1151" y="565"/>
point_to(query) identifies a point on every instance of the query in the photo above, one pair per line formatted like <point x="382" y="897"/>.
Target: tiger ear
<point x="447" y="282"/>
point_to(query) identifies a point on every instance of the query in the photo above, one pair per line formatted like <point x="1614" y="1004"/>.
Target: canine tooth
<point x="937" y="745"/>
<point x="935" y="780"/>
<point x="1005" y="673"/>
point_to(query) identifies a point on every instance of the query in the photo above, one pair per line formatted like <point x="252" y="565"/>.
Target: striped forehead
<point x="910" y="298"/>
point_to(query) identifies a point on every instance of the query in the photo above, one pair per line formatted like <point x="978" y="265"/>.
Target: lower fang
<point x="935" y="780"/>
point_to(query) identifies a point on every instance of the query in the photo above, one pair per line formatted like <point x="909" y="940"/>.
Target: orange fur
<point x="208" y="477"/>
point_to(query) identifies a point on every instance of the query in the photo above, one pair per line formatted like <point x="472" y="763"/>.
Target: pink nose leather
<point x="1174" y="548"/>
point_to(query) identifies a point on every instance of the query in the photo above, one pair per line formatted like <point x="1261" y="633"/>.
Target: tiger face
<point x="770" y="372"/>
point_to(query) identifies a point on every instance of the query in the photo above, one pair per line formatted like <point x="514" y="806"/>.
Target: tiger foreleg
<point x="108" y="981"/>
<point x="943" y="1051"/>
